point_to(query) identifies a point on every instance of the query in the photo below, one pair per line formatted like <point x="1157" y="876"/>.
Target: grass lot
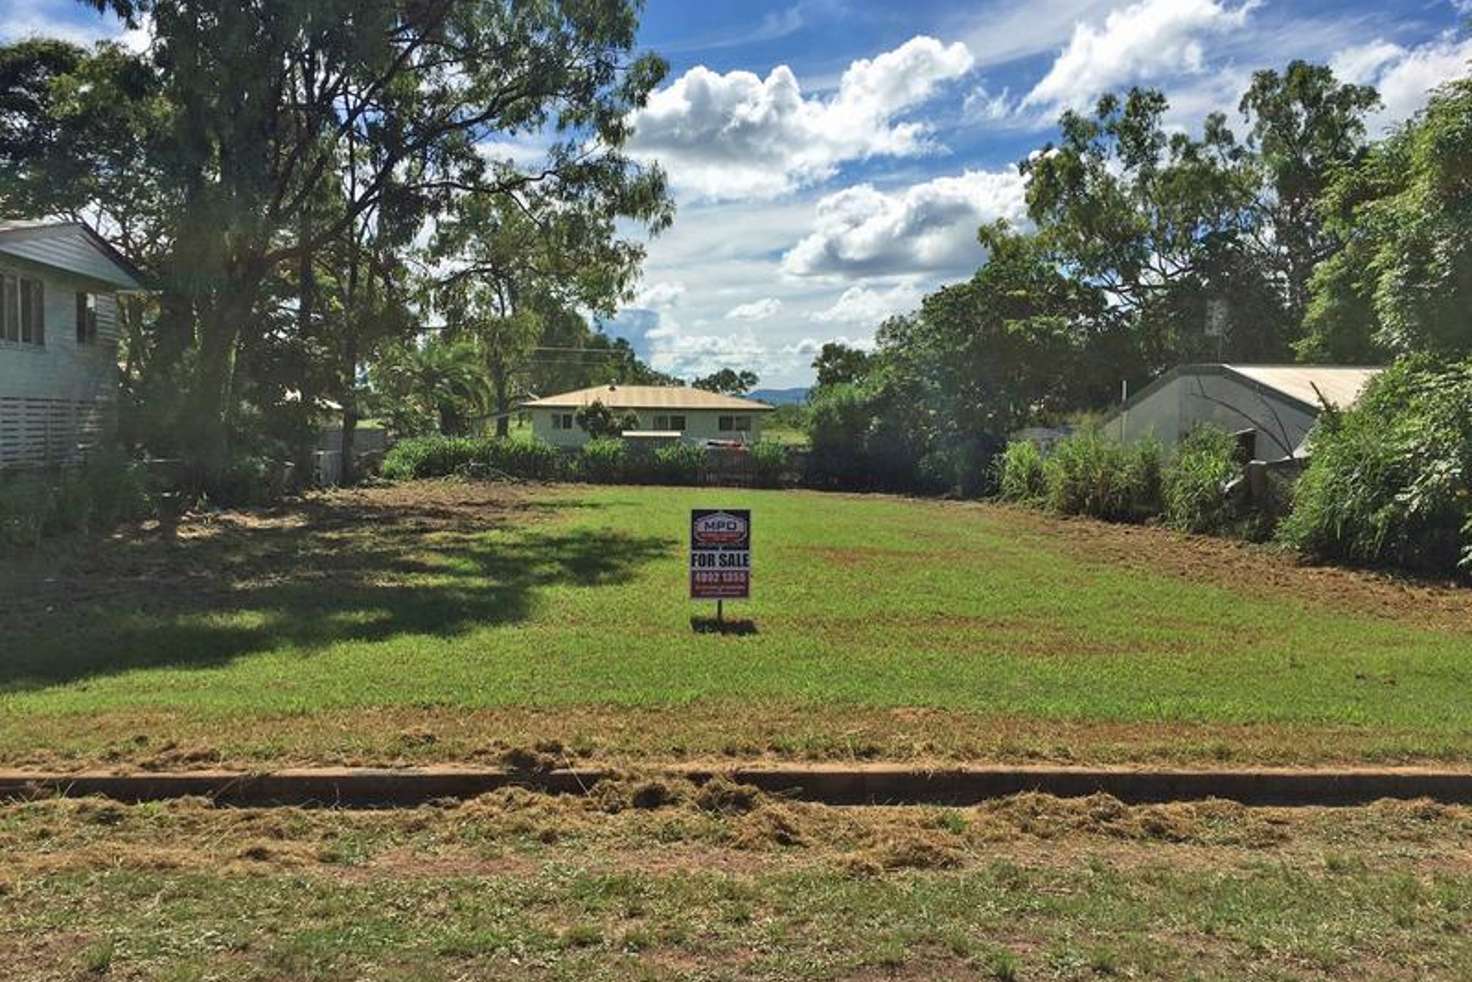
<point x="655" y="881"/>
<point x="457" y="621"/>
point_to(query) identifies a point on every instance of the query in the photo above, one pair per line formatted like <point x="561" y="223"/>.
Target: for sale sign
<point x="720" y="553"/>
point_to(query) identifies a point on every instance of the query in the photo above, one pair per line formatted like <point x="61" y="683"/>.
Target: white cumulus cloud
<point x="757" y="310"/>
<point x="870" y="305"/>
<point x="1404" y="76"/>
<point x="737" y="135"/>
<point x="925" y="228"/>
<point x="1148" y="39"/>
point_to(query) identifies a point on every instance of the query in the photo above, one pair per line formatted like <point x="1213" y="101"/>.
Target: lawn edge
<point x="869" y="784"/>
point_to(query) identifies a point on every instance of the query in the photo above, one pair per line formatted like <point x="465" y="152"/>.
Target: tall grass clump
<point x="1090" y="474"/>
<point x="1020" y="473"/>
<point x="1195" y="480"/>
<point x="604" y="460"/>
<point x="1390" y="480"/>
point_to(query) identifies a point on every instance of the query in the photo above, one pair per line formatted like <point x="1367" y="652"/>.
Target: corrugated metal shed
<point x="647" y="397"/>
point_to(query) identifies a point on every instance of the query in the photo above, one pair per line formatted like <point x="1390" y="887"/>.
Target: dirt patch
<point x="1255" y="570"/>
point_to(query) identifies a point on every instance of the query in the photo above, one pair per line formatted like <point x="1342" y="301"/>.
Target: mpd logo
<point x="719" y="529"/>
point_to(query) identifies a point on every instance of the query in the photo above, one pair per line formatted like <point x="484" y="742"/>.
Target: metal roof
<point x="1340" y="385"/>
<point x="648" y="397"/>
<point x="55" y="244"/>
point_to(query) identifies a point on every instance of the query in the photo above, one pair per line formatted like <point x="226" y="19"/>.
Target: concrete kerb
<point x="830" y="784"/>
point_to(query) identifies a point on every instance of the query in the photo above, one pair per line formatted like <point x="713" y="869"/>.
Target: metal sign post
<point x="720" y="556"/>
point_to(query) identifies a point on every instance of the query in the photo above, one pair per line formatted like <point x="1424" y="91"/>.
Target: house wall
<point x="700" y="424"/>
<point x="1175" y="409"/>
<point x="59" y="399"/>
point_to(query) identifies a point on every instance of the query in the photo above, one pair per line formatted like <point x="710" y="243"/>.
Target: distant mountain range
<point x="779" y="397"/>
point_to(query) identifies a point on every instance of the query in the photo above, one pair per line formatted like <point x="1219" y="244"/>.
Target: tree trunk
<point x="349" y="406"/>
<point x="503" y="419"/>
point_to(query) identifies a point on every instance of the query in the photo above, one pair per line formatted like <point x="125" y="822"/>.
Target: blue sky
<point x="832" y="159"/>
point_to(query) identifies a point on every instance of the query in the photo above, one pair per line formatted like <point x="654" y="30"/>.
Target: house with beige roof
<point x="1272" y="408"/>
<point x="664" y="411"/>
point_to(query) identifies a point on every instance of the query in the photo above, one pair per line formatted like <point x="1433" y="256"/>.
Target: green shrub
<point x="1390" y="481"/>
<point x="1195" y="482"/>
<point x="431" y="456"/>
<point x="247" y="481"/>
<point x="603" y="461"/>
<point x="531" y="459"/>
<point x="1020" y="472"/>
<point x="118" y="487"/>
<point x="26" y="503"/>
<point x="938" y="471"/>
<point x="1090" y="474"/>
<point x="768" y="462"/>
<point x="71" y="504"/>
<point x="679" y="463"/>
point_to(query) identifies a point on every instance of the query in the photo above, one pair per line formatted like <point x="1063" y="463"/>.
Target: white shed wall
<point x="1175" y="409"/>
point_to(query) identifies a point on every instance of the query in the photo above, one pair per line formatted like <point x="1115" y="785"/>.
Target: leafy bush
<point x="247" y="481"/>
<point x="938" y="471"/>
<point x="1090" y="474"/>
<point x="431" y="456"/>
<point x="769" y="462"/>
<point x="26" y="503"/>
<point x="679" y="463"/>
<point x="603" y="461"/>
<point x="442" y="456"/>
<point x="1020" y="472"/>
<point x="1195" y="479"/>
<point x="94" y="497"/>
<point x="118" y="487"/>
<point x="530" y="459"/>
<point x="1390" y="481"/>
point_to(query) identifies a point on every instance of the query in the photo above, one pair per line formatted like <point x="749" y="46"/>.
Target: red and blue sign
<point x="720" y="553"/>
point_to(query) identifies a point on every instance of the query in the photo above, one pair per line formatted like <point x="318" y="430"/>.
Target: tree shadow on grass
<point x="308" y="575"/>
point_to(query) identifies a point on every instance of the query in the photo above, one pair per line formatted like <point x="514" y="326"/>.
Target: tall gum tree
<point x="267" y="94"/>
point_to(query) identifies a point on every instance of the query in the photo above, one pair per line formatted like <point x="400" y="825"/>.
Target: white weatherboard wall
<point x="700" y="425"/>
<point x="58" y="399"/>
<point x="1187" y="401"/>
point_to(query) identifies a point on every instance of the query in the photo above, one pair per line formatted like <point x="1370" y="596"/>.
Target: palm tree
<point x="441" y="380"/>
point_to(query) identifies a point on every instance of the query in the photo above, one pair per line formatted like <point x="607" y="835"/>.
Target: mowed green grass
<point x="878" y="626"/>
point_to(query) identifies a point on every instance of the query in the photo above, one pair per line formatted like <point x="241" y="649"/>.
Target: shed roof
<point x="1339" y="384"/>
<point x="648" y="397"/>
<point x="70" y="246"/>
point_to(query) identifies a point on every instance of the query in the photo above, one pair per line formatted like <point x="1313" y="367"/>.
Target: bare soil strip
<point x="877" y="784"/>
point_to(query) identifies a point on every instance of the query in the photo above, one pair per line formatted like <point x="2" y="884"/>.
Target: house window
<point x="734" y="424"/>
<point x="9" y="309"/>
<point x="562" y="421"/>
<point x="670" y="424"/>
<point x="31" y="311"/>
<point x="22" y="310"/>
<point x="86" y="318"/>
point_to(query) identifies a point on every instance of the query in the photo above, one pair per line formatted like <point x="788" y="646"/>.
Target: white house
<point x="691" y="414"/>
<point x="1272" y="407"/>
<point x="58" y="339"/>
